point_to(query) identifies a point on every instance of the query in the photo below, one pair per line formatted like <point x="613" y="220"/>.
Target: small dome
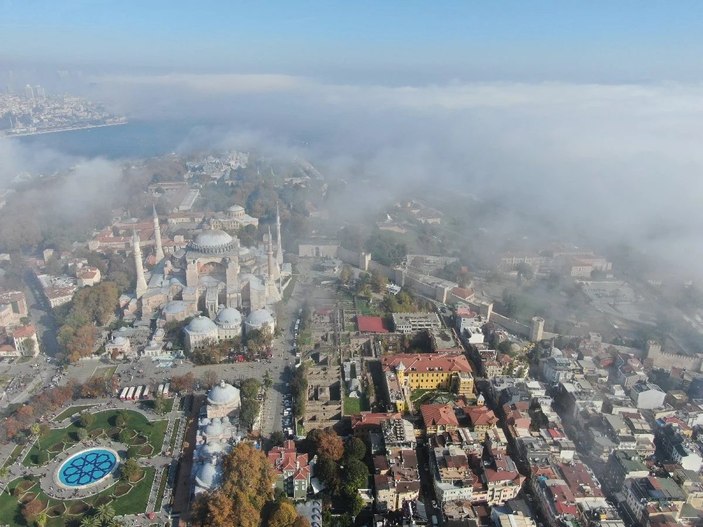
<point x="214" y="429"/>
<point x="175" y="307"/>
<point x="515" y="347"/>
<point x="259" y="318"/>
<point x="229" y="317"/>
<point x="207" y="476"/>
<point x="223" y="394"/>
<point x="236" y="208"/>
<point x="211" y="448"/>
<point x="212" y="238"/>
<point x="120" y="341"/>
<point x="201" y="324"/>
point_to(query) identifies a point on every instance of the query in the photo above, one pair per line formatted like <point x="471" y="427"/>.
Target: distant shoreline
<point x="65" y="129"/>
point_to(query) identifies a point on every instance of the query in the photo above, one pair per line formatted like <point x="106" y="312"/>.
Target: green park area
<point x="125" y="426"/>
<point x="68" y="412"/>
<point x="127" y="496"/>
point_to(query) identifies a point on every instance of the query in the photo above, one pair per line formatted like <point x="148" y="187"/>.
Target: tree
<point x="81" y="343"/>
<point x="86" y="419"/>
<point x="183" y="383"/>
<point x="268" y="382"/>
<point x="283" y="515"/>
<point x="120" y="419"/>
<point x="130" y="469"/>
<point x="301" y="521"/>
<point x="248" y="412"/>
<point x="328" y="472"/>
<point x="346" y="274"/>
<point x="250" y="388"/>
<point x="355" y="449"/>
<point x="160" y="404"/>
<point x="356" y="475"/>
<point x="104" y="513"/>
<point x="327" y="443"/>
<point x="378" y="282"/>
<point x="82" y="434"/>
<point x="277" y="438"/>
<point x="42" y="519"/>
<point x="210" y="378"/>
<point x="124" y="436"/>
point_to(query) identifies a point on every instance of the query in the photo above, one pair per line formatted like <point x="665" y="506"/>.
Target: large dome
<point x="229" y="318"/>
<point x="175" y="307"/>
<point x="223" y="394"/>
<point x="213" y="241"/>
<point x="236" y="208"/>
<point x="207" y="476"/>
<point x="201" y="324"/>
<point x="259" y="318"/>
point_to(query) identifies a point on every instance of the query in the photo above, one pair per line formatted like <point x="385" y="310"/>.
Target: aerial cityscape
<point x="325" y="265"/>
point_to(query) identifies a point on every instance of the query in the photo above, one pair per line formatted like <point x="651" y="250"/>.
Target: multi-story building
<point x="623" y="464"/>
<point x="413" y="322"/>
<point x="651" y="497"/>
<point x="407" y="372"/>
<point x="647" y="395"/>
<point x="438" y="418"/>
<point x="292" y="470"/>
<point x="453" y="478"/>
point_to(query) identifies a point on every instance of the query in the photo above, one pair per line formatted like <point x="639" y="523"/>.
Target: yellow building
<point x="407" y="372"/>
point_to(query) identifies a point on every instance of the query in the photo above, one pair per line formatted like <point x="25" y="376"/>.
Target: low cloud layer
<point x="616" y="162"/>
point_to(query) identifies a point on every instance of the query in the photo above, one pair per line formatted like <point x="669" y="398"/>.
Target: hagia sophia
<point x="213" y="279"/>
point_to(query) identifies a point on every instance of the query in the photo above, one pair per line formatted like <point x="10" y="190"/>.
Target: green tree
<point x="82" y="434"/>
<point x="250" y="388"/>
<point x="277" y="438"/>
<point x="356" y="475"/>
<point x="105" y="513"/>
<point x="355" y="449"/>
<point x="160" y="405"/>
<point x="248" y="412"/>
<point x="86" y="419"/>
<point x="130" y="469"/>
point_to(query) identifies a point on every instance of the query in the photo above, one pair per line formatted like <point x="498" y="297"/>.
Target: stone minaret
<point x="141" y="281"/>
<point x="271" y="261"/>
<point x="279" y="245"/>
<point x="159" y="253"/>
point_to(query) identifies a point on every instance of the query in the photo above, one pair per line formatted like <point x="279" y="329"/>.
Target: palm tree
<point x="105" y="513"/>
<point x="90" y="521"/>
<point x="114" y="522"/>
<point x="41" y="519"/>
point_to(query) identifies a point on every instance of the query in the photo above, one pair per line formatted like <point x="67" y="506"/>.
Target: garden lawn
<point x="154" y="432"/>
<point x="68" y="412"/>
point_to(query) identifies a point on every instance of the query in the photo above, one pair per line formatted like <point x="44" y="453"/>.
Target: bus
<point x="138" y="393"/>
<point x="160" y="391"/>
<point x="166" y="387"/>
<point x="130" y="393"/>
<point x="123" y="393"/>
<point x="146" y="392"/>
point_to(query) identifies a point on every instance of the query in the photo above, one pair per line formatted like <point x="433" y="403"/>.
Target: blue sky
<point x="600" y="41"/>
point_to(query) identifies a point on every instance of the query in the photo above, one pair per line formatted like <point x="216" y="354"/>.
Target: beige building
<point x="25" y="340"/>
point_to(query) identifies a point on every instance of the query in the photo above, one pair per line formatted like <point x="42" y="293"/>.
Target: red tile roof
<point x="438" y="415"/>
<point x="425" y="362"/>
<point x="481" y="416"/>
<point x="368" y="324"/>
<point x="24" y="332"/>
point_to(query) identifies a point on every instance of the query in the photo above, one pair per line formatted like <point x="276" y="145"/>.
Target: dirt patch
<point x="56" y="510"/>
<point x="78" y="508"/>
<point x="97" y="432"/>
<point x="28" y="497"/>
<point x="139" y="440"/>
<point x="145" y="450"/>
<point x="121" y="489"/>
<point x="102" y="500"/>
<point x="24" y="486"/>
<point x="114" y="433"/>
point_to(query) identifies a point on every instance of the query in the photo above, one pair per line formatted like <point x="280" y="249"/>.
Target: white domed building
<point x="200" y="332"/>
<point x="229" y="323"/>
<point x="207" y="477"/>
<point x="177" y="310"/>
<point x="260" y="319"/>
<point x="119" y="346"/>
<point x="222" y="400"/>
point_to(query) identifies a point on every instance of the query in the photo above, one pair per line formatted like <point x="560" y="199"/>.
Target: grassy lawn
<point x="362" y="305"/>
<point x="354" y="406"/>
<point x="174" y="434"/>
<point x="59" y="439"/>
<point x="417" y="395"/>
<point x="13" y="456"/>
<point x="149" y="405"/>
<point x="133" y="501"/>
<point x="162" y="489"/>
<point x="68" y="412"/>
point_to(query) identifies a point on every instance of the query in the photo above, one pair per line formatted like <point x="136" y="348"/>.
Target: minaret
<point x="271" y="262"/>
<point x="157" y="237"/>
<point x="279" y="246"/>
<point x="141" y="281"/>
